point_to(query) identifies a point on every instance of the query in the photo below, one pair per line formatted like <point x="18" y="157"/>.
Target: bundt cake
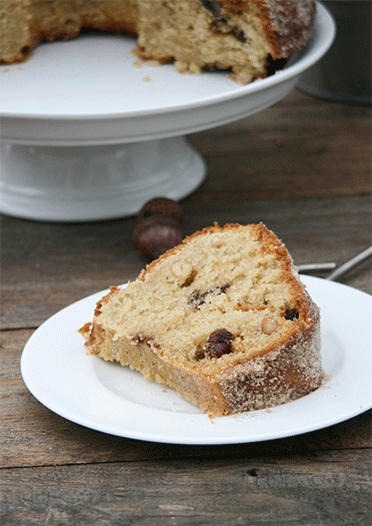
<point x="251" y="38"/>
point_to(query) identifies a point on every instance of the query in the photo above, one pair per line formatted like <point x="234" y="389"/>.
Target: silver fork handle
<point x="315" y="267"/>
<point x="351" y="263"/>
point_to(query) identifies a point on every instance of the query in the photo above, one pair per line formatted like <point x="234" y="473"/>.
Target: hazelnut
<point x="268" y="325"/>
<point x="182" y="269"/>
<point x="161" y="206"/>
<point x="217" y="243"/>
<point x="155" y="235"/>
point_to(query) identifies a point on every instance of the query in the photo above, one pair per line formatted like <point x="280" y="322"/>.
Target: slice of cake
<point x="222" y="318"/>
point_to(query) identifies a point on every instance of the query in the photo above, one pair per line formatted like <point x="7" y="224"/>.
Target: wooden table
<point x="303" y="168"/>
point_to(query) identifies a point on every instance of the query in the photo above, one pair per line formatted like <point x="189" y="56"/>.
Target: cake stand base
<point x="88" y="183"/>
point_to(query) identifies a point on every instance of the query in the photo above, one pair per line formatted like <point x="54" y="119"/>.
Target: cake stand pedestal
<point x="84" y="183"/>
<point x="90" y="136"/>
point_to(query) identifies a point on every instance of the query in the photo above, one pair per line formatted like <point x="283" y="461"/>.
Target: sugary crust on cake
<point x="261" y="369"/>
<point x="290" y="371"/>
<point x="288" y="24"/>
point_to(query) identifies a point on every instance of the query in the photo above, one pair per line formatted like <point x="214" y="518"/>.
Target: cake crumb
<point x="153" y="62"/>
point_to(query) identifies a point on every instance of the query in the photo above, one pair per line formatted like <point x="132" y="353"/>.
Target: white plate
<point x="115" y="400"/>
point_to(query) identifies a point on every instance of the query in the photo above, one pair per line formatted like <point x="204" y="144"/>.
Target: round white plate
<point x="67" y="95"/>
<point x="115" y="400"/>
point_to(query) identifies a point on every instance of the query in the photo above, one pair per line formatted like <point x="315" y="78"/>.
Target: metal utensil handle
<point x="351" y="263"/>
<point x="312" y="267"/>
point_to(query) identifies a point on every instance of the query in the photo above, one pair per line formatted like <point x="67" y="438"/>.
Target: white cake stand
<point x="89" y="133"/>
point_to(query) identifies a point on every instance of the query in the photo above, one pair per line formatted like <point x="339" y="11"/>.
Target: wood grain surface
<point x="303" y="167"/>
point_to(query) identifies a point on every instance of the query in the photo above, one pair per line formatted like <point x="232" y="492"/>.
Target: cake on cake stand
<point x="88" y="132"/>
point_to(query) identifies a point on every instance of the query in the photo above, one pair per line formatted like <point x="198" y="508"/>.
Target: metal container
<point x="344" y="72"/>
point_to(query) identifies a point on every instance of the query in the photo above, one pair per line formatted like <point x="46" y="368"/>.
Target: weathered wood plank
<point x="261" y="168"/>
<point x="309" y="490"/>
<point x="299" y="147"/>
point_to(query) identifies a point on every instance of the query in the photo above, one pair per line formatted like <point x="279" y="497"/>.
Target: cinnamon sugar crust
<point x="222" y="318"/>
<point x="288" y="24"/>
